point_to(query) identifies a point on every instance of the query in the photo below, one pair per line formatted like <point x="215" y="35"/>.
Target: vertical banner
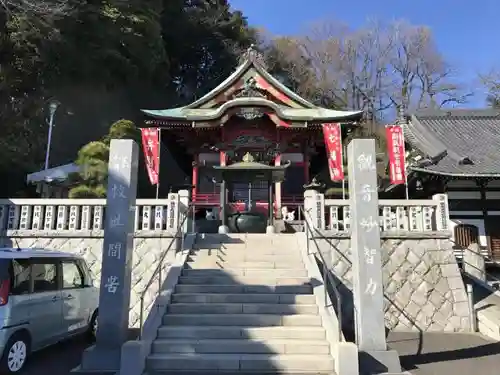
<point x="333" y="147"/>
<point x="396" y="152"/>
<point x="150" y="146"/>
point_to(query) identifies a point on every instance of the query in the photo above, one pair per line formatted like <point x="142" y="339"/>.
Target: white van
<point x="45" y="297"/>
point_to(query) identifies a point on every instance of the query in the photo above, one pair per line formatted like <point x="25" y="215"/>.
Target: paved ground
<point x="440" y="354"/>
<point x="430" y="354"/>
<point x="57" y="360"/>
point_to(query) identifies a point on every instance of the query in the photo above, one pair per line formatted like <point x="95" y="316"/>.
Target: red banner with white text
<point x="333" y="146"/>
<point x="396" y="152"/>
<point x="150" y="146"/>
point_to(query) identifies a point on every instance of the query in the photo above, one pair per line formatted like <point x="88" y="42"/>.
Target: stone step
<point x="245" y="320"/>
<point x="238" y="332"/>
<point x="251" y="289"/>
<point x="242" y="362"/>
<point x="246" y="256"/>
<point x="270" y="279"/>
<point x="278" y="272"/>
<point x="241" y="308"/>
<point x="201" y="298"/>
<point x="259" y="250"/>
<point x="218" y="346"/>
<point x="223" y="264"/>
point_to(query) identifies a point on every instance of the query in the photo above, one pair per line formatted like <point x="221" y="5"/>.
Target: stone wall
<point x="423" y="287"/>
<point x="148" y="248"/>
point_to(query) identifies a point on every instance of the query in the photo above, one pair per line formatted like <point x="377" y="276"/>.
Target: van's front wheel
<point x="15" y="354"/>
<point x="92" y="331"/>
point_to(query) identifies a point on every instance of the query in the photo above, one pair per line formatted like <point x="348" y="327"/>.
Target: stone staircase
<point x="243" y="304"/>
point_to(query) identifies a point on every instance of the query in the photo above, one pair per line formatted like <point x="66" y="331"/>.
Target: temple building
<point x="54" y="182"/>
<point x="458" y="152"/>
<point x="250" y="113"/>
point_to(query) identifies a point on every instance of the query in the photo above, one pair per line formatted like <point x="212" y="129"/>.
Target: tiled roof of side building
<point x="468" y="139"/>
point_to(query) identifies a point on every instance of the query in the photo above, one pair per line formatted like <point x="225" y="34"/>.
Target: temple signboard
<point x="247" y="137"/>
<point x="250" y="141"/>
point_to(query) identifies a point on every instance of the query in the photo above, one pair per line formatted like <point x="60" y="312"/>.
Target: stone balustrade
<point x="80" y="215"/>
<point x="77" y="226"/>
<point x="395" y="215"/>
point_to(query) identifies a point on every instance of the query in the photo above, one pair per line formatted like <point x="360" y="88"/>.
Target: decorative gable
<point x="253" y="84"/>
<point x="251" y="92"/>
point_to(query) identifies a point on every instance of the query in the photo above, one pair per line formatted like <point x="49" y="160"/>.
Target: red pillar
<point x="222" y="154"/>
<point x="195" y="176"/>
<point x="277" y="190"/>
<point x="222" y="160"/>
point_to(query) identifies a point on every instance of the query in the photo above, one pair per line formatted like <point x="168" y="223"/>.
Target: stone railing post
<point x="474" y="262"/>
<point x="173" y="210"/>
<point x="314" y="207"/>
<point x="184" y="196"/>
<point x="442" y="214"/>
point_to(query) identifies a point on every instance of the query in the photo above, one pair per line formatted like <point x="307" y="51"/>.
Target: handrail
<point x="487" y="274"/>
<point x="158" y="269"/>
<point x="76" y="202"/>
<point x="327" y="277"/>
<point x="473" y="279"/>
<point x="388" y="202"/>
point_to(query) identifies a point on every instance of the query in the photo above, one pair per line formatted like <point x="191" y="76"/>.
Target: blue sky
<point x="467" y="32"/>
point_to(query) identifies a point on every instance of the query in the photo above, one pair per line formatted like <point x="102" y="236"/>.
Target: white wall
<point x="462" y="184"/>
<point x="464" y="195"/>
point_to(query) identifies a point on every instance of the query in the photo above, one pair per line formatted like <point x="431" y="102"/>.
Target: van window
<point x="87" y="273"/>
<point x="44" y="275"/>
<point x="72" y="275"/>
<point x="20" y="277"/>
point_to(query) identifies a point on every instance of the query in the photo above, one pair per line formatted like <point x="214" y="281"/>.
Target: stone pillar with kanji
<point x="114" y="298"/>
<point x="368" y="288"/>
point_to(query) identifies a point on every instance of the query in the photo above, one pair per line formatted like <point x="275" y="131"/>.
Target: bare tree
<point x="285" y="59"/>
<point x="375" y="68"/>
<point x="421" y="76"/>
<point x="491" y="82"/>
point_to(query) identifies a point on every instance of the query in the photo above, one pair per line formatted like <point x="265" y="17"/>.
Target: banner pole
<point x="342" y="160"/>
<point x="407" y="193"/>
<point x="159" y="153"/>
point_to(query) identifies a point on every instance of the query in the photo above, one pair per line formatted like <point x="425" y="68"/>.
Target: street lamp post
<point x="52" y="108"/>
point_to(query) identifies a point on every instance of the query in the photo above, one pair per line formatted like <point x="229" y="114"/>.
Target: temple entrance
<point x="250" y="111"/>
<point x="247" y="196"/>
<point x="252" y="194"/>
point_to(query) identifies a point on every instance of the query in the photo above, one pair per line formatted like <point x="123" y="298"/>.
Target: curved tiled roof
<point x="304" y="111"/>
<point x="470" y="140"/>
<point x="303" y="114"/>
<point x="240" y="70"/>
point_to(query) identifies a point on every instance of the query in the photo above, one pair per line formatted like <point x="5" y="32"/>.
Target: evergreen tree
<point x="103" y="60"/>
<point x="90" y="181"/>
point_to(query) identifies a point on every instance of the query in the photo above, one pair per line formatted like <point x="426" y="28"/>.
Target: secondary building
<point x="458" y="152"/>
